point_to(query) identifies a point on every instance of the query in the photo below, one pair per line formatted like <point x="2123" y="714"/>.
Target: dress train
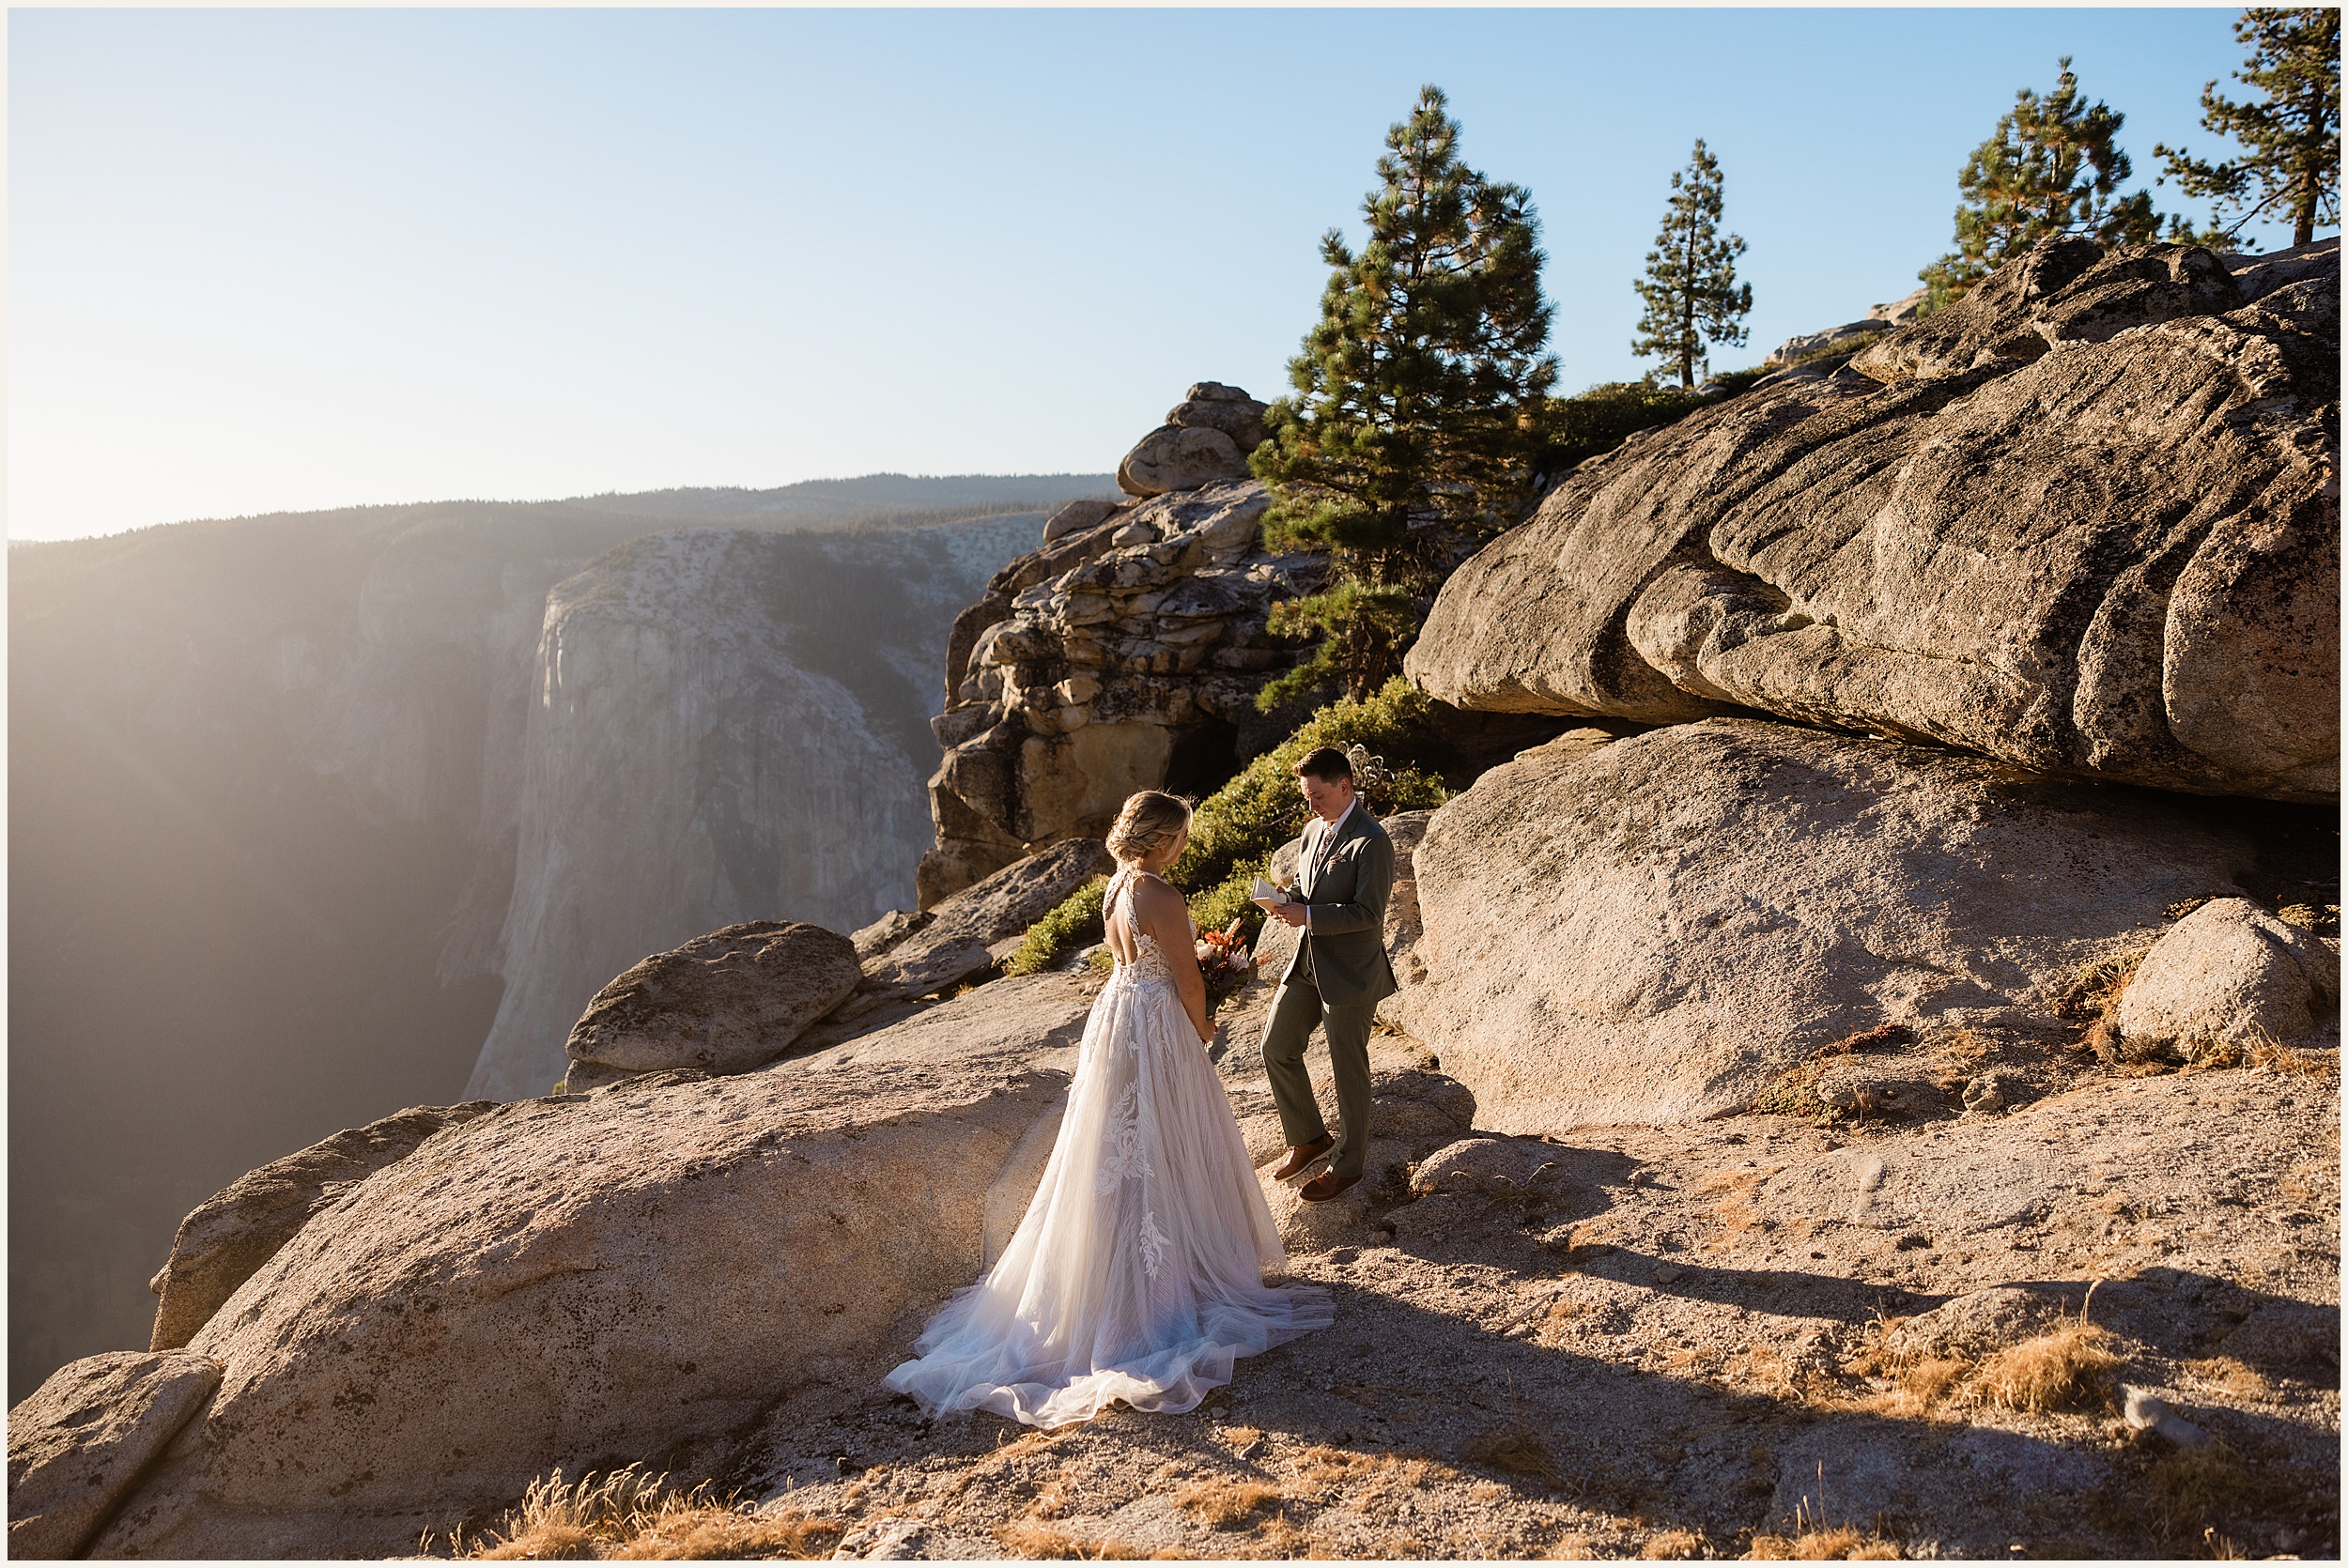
<point x="1137" y="1273"/>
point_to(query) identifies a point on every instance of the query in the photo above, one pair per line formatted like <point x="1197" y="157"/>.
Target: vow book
<point x="1266" y="890"/>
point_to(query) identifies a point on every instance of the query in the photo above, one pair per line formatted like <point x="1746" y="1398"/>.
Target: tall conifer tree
<point x="2293" y="133"/>
<point x="1691" y="286"/>
<point x="2050" y="167"/>
<point x="1415" y="419"/>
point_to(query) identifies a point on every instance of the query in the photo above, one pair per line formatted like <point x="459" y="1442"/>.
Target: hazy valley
<point x="276" y="782"/>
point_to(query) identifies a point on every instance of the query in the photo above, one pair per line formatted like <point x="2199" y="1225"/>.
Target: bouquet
<point x="1224" y="962"/>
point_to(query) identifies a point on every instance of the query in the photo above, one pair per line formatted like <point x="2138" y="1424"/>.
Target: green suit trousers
<point x="1294" y="1011"/>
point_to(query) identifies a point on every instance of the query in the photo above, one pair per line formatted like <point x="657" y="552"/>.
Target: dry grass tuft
<point x="1367" y="1480"/>
<point x="2055" y="1371"/>
<point x="1281" y="1539"/>
<point x="1517" y="1450"/>
<point x="1033" y="1443"/>
<point x="712" y="1534"/>
<point x="1027" y="1538"/>
<point x="628" y="1514"/>
<point x="1922" y="1385"/>
<point x="1051" y="1503"/>
<point x="1323" y="1463"/>
<point x="1968" y="1049"/>
<point x="1673" y="1545"/>
<point x="2095" y="990"/>
<point x="1840" y="1544"/>
<point x="2190" y="1488"/>
<point x="1761" y="1368"/>
<point x="2272" y="1055"/>
<point x="2228" y="1376"/>
<point x="1226" y="1503"/>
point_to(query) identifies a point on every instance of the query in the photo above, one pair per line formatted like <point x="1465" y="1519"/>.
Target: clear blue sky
<point x="279" y="259"/>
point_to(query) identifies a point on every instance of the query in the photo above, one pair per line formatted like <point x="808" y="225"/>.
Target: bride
<point x="1136" y="1274"/>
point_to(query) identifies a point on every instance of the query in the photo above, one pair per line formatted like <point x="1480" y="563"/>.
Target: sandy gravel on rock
<point x="1684" y="1340"/>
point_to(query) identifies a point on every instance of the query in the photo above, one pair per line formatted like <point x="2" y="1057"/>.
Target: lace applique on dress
<point x="1148" y="963"/>
<point x="1122" y="1154"/>
<point x="1152" y="1242"/>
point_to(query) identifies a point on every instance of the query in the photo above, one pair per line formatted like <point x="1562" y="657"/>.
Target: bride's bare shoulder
<point x="1154" y="896"/>
<point x="1150" y="888"/>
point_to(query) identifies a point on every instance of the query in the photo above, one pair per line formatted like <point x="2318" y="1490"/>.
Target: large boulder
<point x="1179" y="458"/>
<point x="965" y="936"/>
<point x="1034" y="1021"/>
<point x="2065" y="290"/>
<point x="592" y="1280"/>
<point x="1650" y="929"/>
<point x="82" y="1439"/>
<point x="1850" y="336"/>
<point x="2086" y="520"/>
<point x="1077" y="517"/>
<point x="231" y="1233"/>
<point x="1213" y="405"/>
<point x="1899" y="312"/>
<point x="726" y="1002"/>
<point x="2231" y="973"/>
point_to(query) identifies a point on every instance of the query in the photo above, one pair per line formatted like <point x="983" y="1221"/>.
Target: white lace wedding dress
<point x="1138" y="1273"/>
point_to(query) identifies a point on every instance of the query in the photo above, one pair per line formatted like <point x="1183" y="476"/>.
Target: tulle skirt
<point x="1137" y="1272"/>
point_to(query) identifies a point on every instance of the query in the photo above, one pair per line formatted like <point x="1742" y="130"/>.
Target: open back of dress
<point x="1136" y="1274"/>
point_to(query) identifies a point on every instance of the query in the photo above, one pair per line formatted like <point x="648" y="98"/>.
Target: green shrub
<point x="1073" y="923"/>
<point x="1736" y="381"/>
<point x="1602" y="419"/>
<point x="1234" y="831"/>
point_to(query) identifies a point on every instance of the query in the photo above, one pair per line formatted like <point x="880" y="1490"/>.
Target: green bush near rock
<point x="1593" y="422"/>
<point x="1075" y="921"/>
<point x="1234" y="831"/>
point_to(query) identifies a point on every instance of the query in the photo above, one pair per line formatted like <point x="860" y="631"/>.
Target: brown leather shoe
<point x="1303" y="1155"/>
<point x="1327" y="1185"/>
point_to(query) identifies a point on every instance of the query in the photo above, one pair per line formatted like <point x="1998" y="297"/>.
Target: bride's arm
<point x="1164" y="915"/>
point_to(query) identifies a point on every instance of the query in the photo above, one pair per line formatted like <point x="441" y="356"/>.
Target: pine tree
<point x="1691" y="286"/>
<point x="2294" y="134"/>
<point x="1414" y="420"/>
<point x="2050" y="169"/>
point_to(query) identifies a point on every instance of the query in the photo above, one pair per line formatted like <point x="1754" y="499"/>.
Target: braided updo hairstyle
<point x="1150" y="821"/>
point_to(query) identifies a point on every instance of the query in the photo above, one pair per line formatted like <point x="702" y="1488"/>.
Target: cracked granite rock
<point x="1097" y="665"/>
<point x="2087" y="521"/>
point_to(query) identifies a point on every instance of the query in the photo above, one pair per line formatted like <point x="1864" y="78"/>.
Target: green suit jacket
<point x="1342" y="949"/>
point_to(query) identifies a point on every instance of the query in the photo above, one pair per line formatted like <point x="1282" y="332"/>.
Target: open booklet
<point x="1266" y="890"/>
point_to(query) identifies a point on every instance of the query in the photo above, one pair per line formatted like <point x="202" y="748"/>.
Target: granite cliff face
<point x="724" y="725"/>
<point x="269" y="798"/>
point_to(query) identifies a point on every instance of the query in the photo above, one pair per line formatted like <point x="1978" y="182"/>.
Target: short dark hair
<point x="1326" y="764"/>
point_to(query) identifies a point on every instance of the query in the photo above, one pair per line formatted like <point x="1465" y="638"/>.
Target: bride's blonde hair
<point x="1150" y="821"/>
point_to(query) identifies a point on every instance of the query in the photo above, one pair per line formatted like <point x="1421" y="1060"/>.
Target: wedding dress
<point x="1137" y="1272"/>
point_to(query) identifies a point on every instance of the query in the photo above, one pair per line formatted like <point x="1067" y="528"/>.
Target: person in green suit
<point x="1340" y="972"/>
